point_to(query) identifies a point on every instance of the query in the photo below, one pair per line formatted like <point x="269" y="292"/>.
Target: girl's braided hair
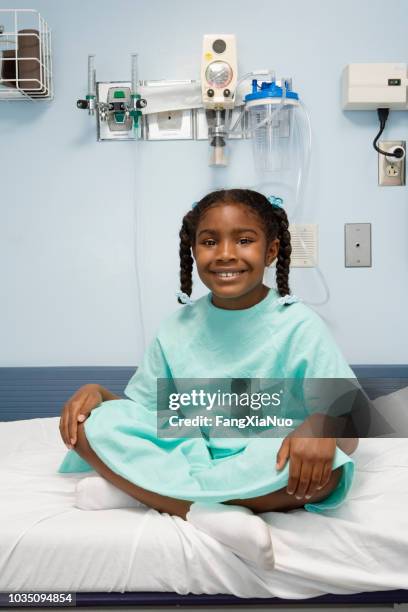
<point x="275" y="223"/>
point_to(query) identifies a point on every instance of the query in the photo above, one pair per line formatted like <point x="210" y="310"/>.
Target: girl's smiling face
<point x="231" y="253"/>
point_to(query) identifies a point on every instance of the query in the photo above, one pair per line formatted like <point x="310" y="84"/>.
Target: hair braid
<point x="186" y="259"/>
<point x="285" y="250"/>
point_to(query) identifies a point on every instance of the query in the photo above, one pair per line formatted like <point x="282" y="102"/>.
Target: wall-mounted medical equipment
<point x="25" y="56"/>
<point x="118" y="105"/>
<point x="271" y="109"/>
<point x="219" y="71"/>
<point x="372" y="86"/>
<point x="381" y="87"/>
<point x="218" y="108"/>
<point x="218" y="83"/>
<point x="175" y="112"/>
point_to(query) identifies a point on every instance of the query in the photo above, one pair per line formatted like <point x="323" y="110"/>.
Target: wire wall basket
<point x="25" y="56"/>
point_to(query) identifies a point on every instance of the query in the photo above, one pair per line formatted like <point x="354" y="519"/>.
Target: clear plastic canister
<point x="273" y="133"/>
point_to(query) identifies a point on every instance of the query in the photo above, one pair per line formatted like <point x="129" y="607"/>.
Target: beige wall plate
<point x="304" y="245"/>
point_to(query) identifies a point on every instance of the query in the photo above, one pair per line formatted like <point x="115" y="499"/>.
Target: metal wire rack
<point x="25" y="56"/>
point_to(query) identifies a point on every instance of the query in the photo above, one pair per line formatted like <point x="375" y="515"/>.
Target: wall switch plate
<point x="391" y="171"/>
<point x="357" y="243"/>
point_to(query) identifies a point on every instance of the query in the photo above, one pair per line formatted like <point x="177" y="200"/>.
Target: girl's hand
<point x="310" y="467"/>
<point x="77" y="409"/>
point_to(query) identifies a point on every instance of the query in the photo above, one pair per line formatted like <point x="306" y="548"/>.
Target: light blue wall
<point x="68" y="283"/>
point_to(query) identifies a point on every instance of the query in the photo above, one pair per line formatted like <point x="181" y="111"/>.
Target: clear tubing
<point x="325" y="285"/>
<point x="270" y="76"/>
<point x="300" y="186"/>
<point x="138" y="234"/>
<point x="135" y="73"/>
<point x="265" y="138"/>
<point x="302" y="176"/>
<point x="267" y="120"/>
<point x="237" y="122"/>
<point x="270" y="114"/>
<point x="91" y="76"/>
<point x="305" y="161"/>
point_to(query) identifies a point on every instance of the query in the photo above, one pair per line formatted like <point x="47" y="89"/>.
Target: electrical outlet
<point x="391" y="170"/>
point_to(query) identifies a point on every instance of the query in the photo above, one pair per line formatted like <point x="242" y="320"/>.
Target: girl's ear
<point x="272" y="251"/>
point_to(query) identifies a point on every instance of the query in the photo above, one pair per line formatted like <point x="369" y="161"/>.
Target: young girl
<point x="241" y="329"/>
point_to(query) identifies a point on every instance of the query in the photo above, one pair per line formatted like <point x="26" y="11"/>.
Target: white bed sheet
<point x="48" y="544"/>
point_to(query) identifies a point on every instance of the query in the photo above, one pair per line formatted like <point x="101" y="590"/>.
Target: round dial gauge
<point x="218" y="74"/>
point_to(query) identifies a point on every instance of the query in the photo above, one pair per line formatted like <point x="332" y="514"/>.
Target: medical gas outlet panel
<point x="168" y="109"/>
<point x="113" y="123"/>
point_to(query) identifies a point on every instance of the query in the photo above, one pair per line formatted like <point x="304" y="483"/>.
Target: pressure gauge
<point x="218" y="74"/>
<point x="218" y="71"/>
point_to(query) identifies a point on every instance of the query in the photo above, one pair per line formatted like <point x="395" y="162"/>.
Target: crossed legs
<point x="277" y="501"/>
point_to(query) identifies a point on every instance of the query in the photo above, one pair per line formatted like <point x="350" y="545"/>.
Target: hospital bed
<point x="357" y="554"/>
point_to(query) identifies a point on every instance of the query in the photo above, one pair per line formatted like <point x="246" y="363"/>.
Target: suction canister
<point x="272" y="111"/>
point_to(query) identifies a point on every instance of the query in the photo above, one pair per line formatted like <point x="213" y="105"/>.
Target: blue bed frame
<point x="34" y="392"/>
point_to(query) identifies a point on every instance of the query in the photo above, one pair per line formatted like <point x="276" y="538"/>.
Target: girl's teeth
<point x="227" y="274"/>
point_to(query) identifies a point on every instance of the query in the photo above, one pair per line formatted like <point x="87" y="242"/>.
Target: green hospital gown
<point x="269" y="340"/>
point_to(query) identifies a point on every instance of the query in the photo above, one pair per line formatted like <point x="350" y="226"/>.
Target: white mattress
<point x="47" y="544"/>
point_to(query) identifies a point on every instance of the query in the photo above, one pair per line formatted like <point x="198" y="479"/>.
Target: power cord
<point x="383" y="116"/>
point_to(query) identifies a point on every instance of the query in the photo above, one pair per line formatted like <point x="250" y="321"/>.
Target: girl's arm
<point x="324" y="424"/>
<point x="107" y="395"/>
<point x="347" y="445"/>
<point x="79" y="407"/>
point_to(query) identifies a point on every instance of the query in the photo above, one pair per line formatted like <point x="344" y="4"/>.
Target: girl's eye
<point x="211" y="242"/>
